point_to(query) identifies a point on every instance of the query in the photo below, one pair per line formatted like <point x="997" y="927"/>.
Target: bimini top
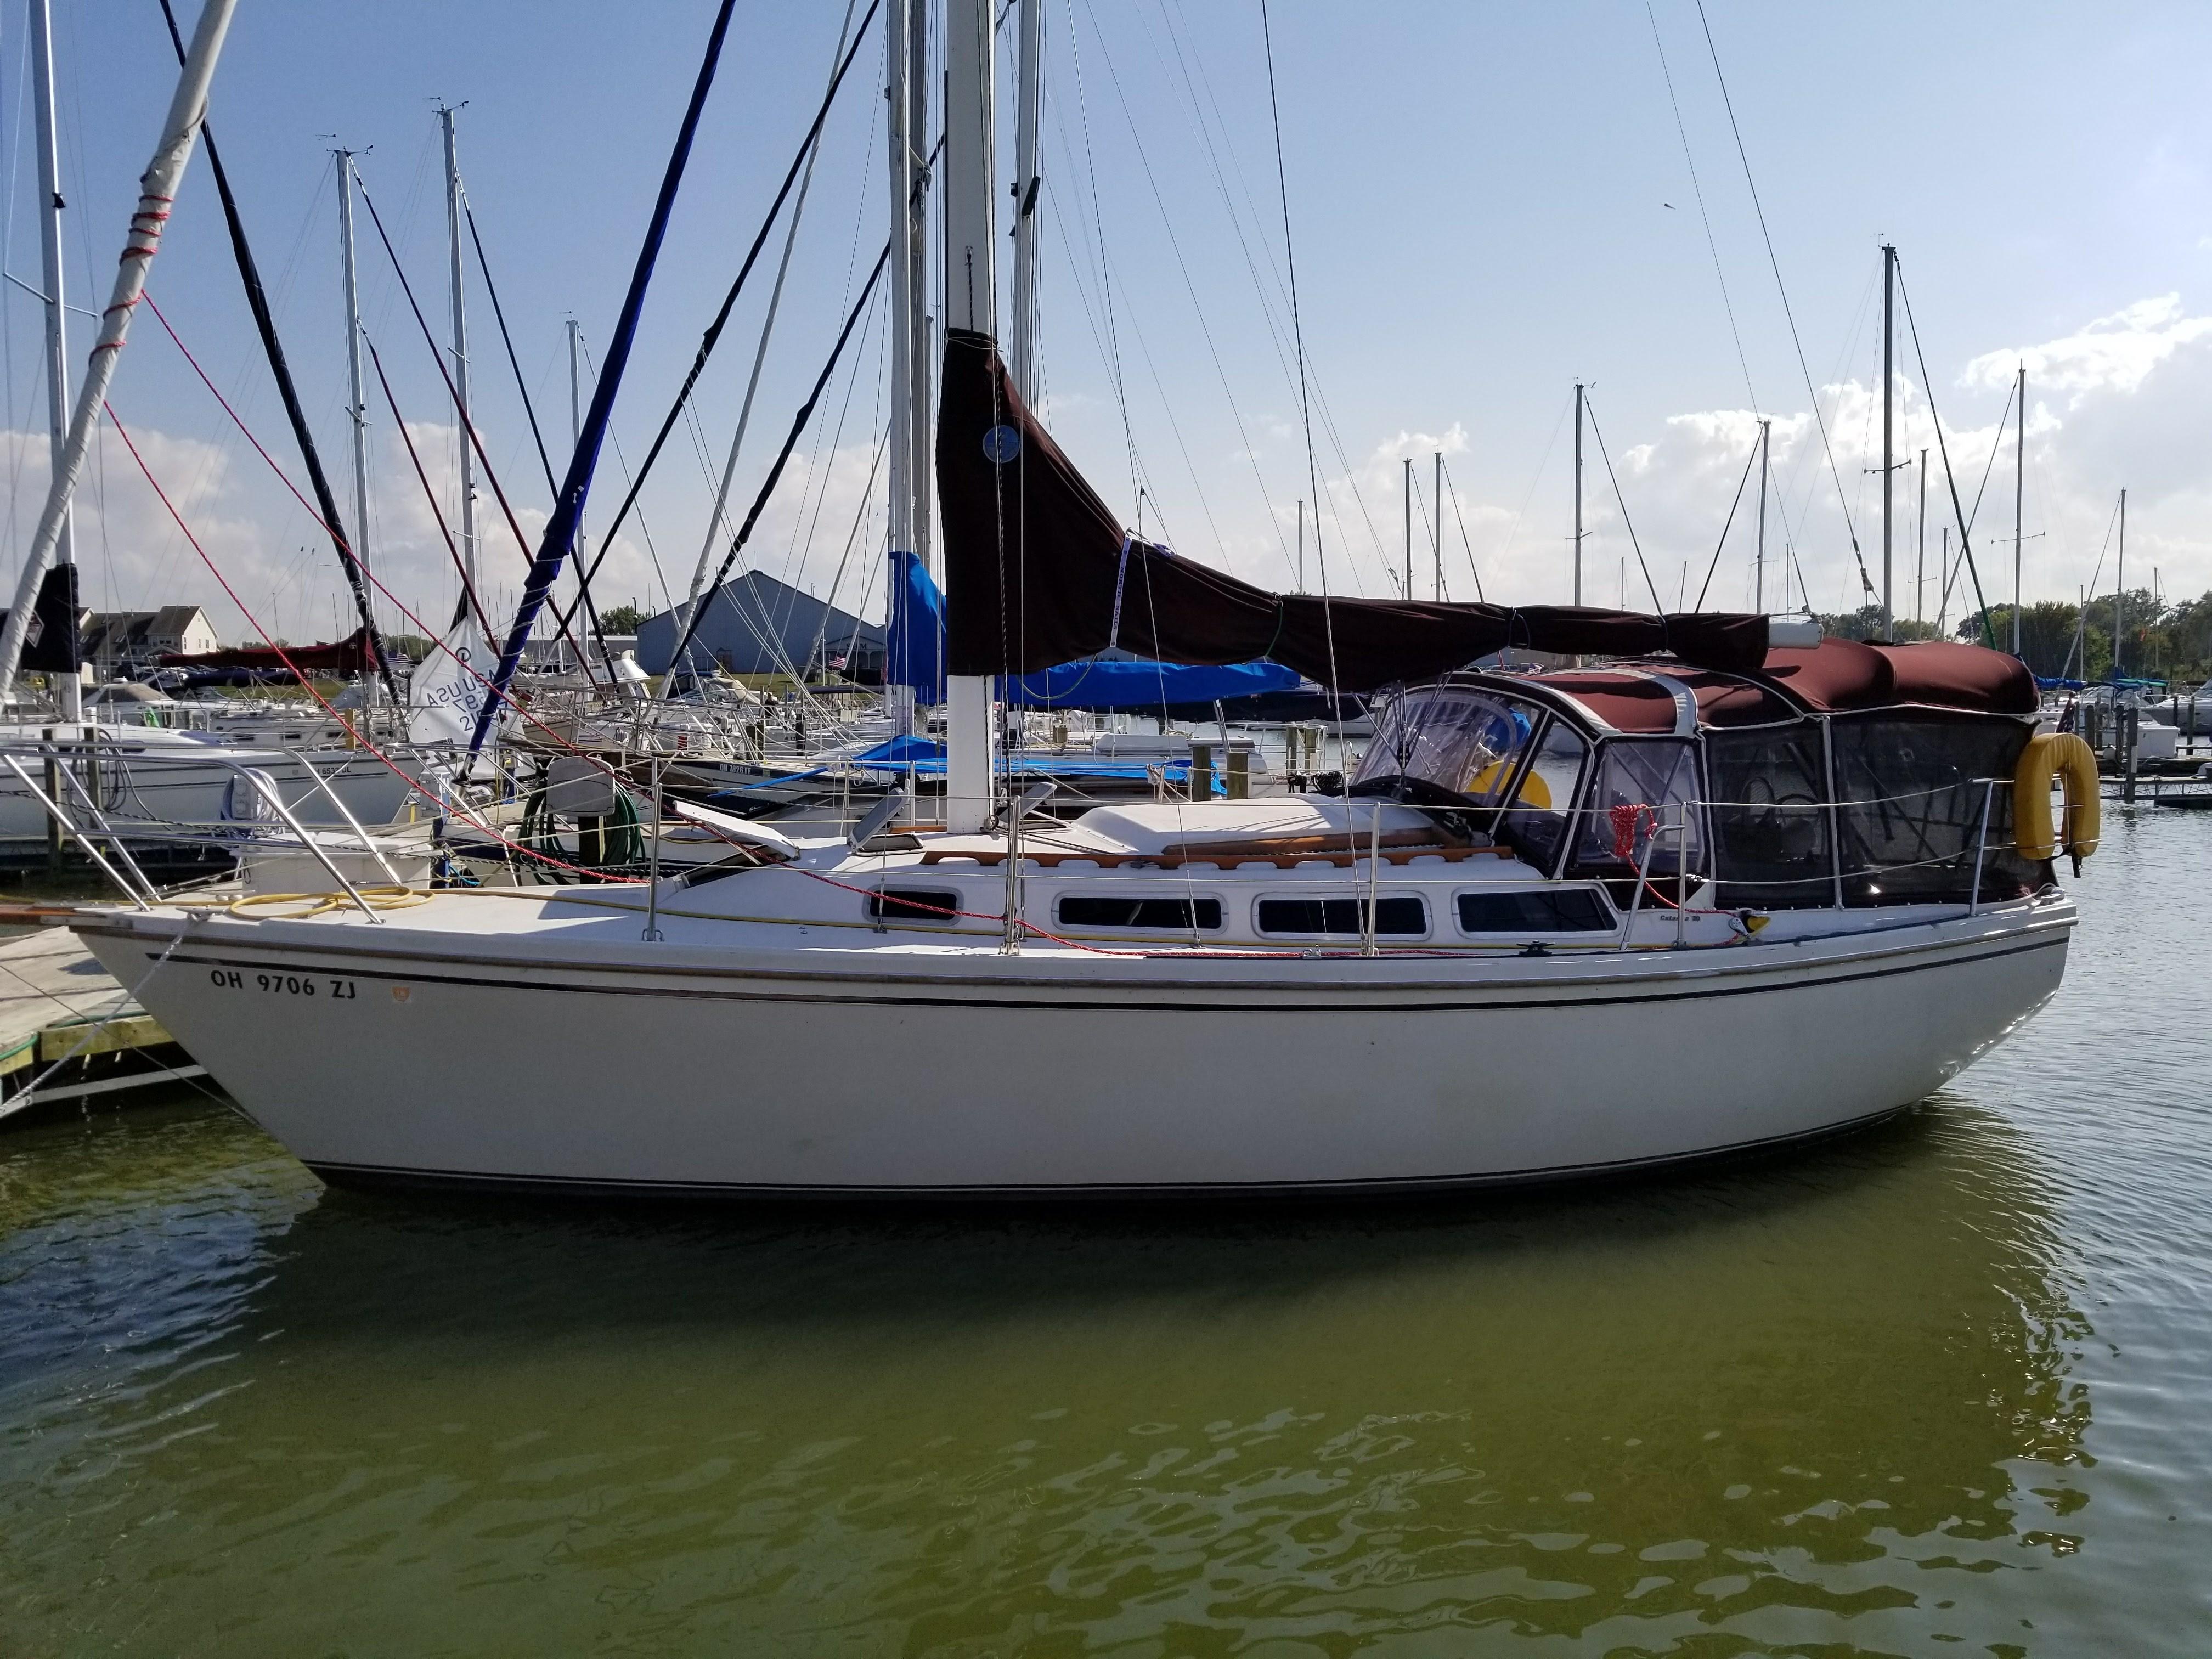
<point x="1835" y="676"/>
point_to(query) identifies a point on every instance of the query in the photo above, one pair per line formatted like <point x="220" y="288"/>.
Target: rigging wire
<point x="1190" y="287"/>
<point x="776" y="472"/>
<point x="1268" y="300"/>
<point x="1935" y="419"/>
<point x="1726" y="525"/>
<point x="713" y="331"/>
<point x="1657" y="604"/>
<point x="1451" y="489"/>
<point x="1783" y="289"/>
<point x="461" y="409"/>
<point x="1705" y="218"/>
<point x="530" y="409"/>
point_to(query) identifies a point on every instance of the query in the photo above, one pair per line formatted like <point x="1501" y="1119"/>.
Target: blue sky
<point x="1480" y="201"/>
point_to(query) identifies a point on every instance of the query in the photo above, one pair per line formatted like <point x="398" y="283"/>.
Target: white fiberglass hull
<point x="154" y="790"/>
<point x="450" y="1057"/>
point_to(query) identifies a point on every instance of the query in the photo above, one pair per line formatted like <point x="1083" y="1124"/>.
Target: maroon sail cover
<point x="353" y="654"/>
<point x="1039" y="571"/>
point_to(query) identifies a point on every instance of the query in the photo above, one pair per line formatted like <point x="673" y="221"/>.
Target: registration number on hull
<point x="283" y="985"/>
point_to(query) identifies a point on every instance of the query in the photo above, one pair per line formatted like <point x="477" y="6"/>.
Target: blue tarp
<point x="916" y="658"/>
<point x="926" y="758"/>
<point x="1097" y="684"/>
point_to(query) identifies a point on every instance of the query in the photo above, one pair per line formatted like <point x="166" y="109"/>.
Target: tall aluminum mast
<point x="1888" y="296"/>
<point x="1578" y="492"/>
<point x="69" y="688"/>
<point x="904" y="306"/>
<point x="1028" y="85"/>
<point x="1438" y="528"/>
<point x="1920" y="554"/>
<point x="2019" y="502"/>
<point x="460" y="347"/>
<point x="970" y="302"/>
<point x="576" y="434"/>
<point x="920" y="432"/>
<point x="1758" y="561"/>
<point x="356" y="405"/>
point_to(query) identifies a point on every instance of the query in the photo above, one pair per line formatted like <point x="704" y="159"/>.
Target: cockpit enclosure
<point x="1504" y="764"/>
<point x="1661" y="774"/>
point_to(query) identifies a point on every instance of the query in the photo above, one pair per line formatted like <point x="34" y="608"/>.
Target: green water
<point x="1945" y="1387"/>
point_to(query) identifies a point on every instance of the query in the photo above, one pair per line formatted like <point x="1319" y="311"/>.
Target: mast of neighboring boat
<point x="460" y="346"/>
<point x="970" y="302"/>
<point x="1437" y="511"/>
<point x="1408" y="465"/>
<point x="1578" y="492"/>
<point x="2120" y="589"/>
<point x="157" y="195"/>
<point x="1888" y="377"/>
<point x="575" y="432"/>
<point x="2019" y="502"/>
<point x="1920" y="553"/>
<point x="1758" y="559"/>
<point x="69" y="687"/>
<point x="356" y="402"/>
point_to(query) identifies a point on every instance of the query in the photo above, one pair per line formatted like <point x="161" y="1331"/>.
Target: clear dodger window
<point x="1452" y="738"/>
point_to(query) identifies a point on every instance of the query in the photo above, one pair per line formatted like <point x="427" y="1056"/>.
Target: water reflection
<point x="1825" y="1400"/>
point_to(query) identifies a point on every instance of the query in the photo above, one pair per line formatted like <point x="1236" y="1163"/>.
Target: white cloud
<point x="2111" y="353"/>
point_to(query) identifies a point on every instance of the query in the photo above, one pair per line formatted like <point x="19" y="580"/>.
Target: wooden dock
<point x="62" y="1013"/>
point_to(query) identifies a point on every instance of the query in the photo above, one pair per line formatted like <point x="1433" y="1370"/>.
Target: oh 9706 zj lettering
<point x="285" y="985"/>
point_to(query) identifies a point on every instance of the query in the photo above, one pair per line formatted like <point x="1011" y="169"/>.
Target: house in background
<point x="758" y="625"/>
<point x="115" y="642"/>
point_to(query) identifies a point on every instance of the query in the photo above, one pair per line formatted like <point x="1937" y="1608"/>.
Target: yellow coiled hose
<point x="377" y="898"/>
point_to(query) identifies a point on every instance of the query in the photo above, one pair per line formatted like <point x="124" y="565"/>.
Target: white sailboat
<point x="1718" y="896"/>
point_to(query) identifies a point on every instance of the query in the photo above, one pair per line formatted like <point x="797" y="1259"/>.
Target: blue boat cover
<point x="926" y="758"/>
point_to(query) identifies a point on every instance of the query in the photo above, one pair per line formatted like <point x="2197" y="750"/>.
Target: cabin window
<point x="913" y="905"/>
<point x="1772" y="847"/>
<point x="1637" y="803"/>
<point x="1910" y="790"/>
<point x="1536" y="910"/>
<point x="1165" y="915"/>
<point x="1395" y="917"/>
<point x="1452" y="738"/>
<point x="1535" y="824"/>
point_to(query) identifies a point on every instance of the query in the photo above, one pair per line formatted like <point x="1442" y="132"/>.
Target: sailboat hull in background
<point x="971" y="1074"/>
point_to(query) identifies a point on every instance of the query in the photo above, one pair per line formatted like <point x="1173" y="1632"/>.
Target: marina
<point x="1937" y="1380"/>
<point x="1088" y="999"/>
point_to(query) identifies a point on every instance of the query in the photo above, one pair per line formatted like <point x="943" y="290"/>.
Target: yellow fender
<point x="2063" y="755"/>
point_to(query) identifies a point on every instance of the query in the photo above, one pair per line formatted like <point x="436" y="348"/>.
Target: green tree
<point x="621" y="619"/>
<point x="1865" y="623"/>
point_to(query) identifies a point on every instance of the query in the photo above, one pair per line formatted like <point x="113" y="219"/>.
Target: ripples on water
<point x="1945" y="1386"/>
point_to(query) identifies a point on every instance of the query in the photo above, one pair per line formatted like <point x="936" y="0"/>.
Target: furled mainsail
<point x="1039" y="572"/>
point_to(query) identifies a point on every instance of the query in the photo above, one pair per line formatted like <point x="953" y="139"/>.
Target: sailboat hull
<point x="449" y="1061"/>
